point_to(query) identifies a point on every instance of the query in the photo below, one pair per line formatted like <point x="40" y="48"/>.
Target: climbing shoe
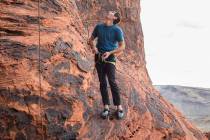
<point x="119" y="114"/>
<point x="105" y="113"/>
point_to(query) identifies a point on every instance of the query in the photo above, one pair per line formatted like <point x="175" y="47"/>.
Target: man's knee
<point x="103" y="83"/>
<point x="113" y="84"/>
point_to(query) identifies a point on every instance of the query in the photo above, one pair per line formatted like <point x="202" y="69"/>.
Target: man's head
<point x="113" y="16"/>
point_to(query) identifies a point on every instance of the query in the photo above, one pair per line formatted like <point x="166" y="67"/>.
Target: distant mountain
<point x="193" y="102"/>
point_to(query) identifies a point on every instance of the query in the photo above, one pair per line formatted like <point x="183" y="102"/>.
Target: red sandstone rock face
<point x="208" y="135"/>
<point x="69" y="103"/>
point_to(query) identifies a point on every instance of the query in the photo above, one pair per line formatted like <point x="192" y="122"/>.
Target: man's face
<point x="110" y="15"/>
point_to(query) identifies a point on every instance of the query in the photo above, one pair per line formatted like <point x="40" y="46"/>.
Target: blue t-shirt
<point x="108" y="37"/>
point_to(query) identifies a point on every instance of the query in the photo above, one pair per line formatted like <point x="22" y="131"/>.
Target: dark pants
<point x="103" y="70"/>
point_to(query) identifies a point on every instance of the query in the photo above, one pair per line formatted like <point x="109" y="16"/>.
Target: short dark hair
<point x="116" y="21"/>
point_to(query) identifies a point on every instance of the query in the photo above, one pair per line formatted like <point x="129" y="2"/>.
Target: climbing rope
<point x="39" y="63"/>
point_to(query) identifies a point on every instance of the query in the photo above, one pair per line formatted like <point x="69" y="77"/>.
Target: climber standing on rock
<point x="110" y="44"/>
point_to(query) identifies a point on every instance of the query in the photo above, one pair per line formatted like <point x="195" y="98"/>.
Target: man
<point x="110" y="44"/>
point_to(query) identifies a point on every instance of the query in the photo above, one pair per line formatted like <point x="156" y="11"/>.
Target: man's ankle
<point x="119" y="107"/>
<point x="106" y="106"/>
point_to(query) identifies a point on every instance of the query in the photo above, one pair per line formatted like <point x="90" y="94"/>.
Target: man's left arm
<point x="121" y="45"/>
<point x="117" y="51"/>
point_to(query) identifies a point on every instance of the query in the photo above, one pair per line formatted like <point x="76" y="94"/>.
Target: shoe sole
<point x="104" y="117"/>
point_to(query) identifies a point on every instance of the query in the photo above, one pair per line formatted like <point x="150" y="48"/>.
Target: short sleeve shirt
<point x="108" y="37"/>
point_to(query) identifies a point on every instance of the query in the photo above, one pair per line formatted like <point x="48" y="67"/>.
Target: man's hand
<point x="94" y="50"/>
<point x="106" y="55"/>
<point x="90" y="42"/>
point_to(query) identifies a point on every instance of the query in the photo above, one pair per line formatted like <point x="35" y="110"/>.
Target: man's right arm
<point x="91" y="39"/>
<point x="90" y="43"/>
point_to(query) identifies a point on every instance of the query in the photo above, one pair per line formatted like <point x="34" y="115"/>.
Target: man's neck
<point x="108" y="23"/>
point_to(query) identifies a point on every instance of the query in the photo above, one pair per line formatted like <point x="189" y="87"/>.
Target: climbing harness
<point x="100" y="59"/>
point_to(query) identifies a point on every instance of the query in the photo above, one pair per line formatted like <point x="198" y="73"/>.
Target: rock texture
<point x="193" y="102"/>
<point x="208" y="135"/>
<point x="57" y="96"/>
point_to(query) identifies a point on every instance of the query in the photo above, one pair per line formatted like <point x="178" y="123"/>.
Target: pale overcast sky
<point x="177" y="41"/>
